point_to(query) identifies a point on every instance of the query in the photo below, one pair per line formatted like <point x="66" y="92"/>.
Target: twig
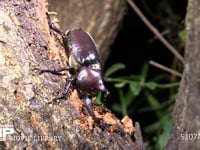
<point x="165" y="68"/>
<point x="138" y="137"/>
<point x="155" y="31"/>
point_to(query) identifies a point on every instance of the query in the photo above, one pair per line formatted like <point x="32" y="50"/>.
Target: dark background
<point x="136" y="44"/>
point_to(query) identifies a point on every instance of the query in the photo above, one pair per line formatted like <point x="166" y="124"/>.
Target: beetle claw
<point x="102" y="124"/>
<point x="58" y="100"/>
<point x="55" y="101"/>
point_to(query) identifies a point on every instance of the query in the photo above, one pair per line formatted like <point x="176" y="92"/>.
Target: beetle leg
<point x="106" y="95"/>
<point x="57" y="71"/>
<point x="67" y="85"/>
<point x="64" y="94"/>
<point x="64" y="36"/>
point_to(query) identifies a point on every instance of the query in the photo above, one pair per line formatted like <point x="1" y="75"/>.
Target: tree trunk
<point x="26" y="45"/>
<point x="185" y="132"/>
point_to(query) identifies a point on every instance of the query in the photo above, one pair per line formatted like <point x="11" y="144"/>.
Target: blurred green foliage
<point x="131" y="87"/>
<point x="146" y="95"/>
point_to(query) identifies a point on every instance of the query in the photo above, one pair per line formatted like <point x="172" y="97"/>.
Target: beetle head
<point x="90" y="81"/>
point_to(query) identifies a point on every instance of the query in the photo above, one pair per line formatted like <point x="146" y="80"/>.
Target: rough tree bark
<point x="26" y="44"/>
<point x="185" y="132"/>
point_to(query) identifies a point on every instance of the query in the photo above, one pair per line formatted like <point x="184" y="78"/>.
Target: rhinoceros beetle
<point x="84" y="67"/>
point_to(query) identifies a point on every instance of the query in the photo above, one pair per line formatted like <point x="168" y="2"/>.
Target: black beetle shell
<point x="83" y="47"/>
<point x="90" y="81"/>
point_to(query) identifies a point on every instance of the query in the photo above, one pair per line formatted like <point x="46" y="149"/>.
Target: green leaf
<point x="129" y="98"/>
<point x="114" y="68"/>
<point x="151" y="85"/>
<point x="98" y="98"/>
<point x="135" y="88"/>
<point x="182" y="34"/>
<point x="116" y="107"/>
<point x="120" y="84"/>
<point x="154" y="103"/>
<point x="143" y="73"/>
<point x="163" y="137"/>
<point x="122" y="102"/>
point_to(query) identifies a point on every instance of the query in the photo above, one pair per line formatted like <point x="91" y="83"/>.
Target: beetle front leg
<point x="64" y="37"/>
